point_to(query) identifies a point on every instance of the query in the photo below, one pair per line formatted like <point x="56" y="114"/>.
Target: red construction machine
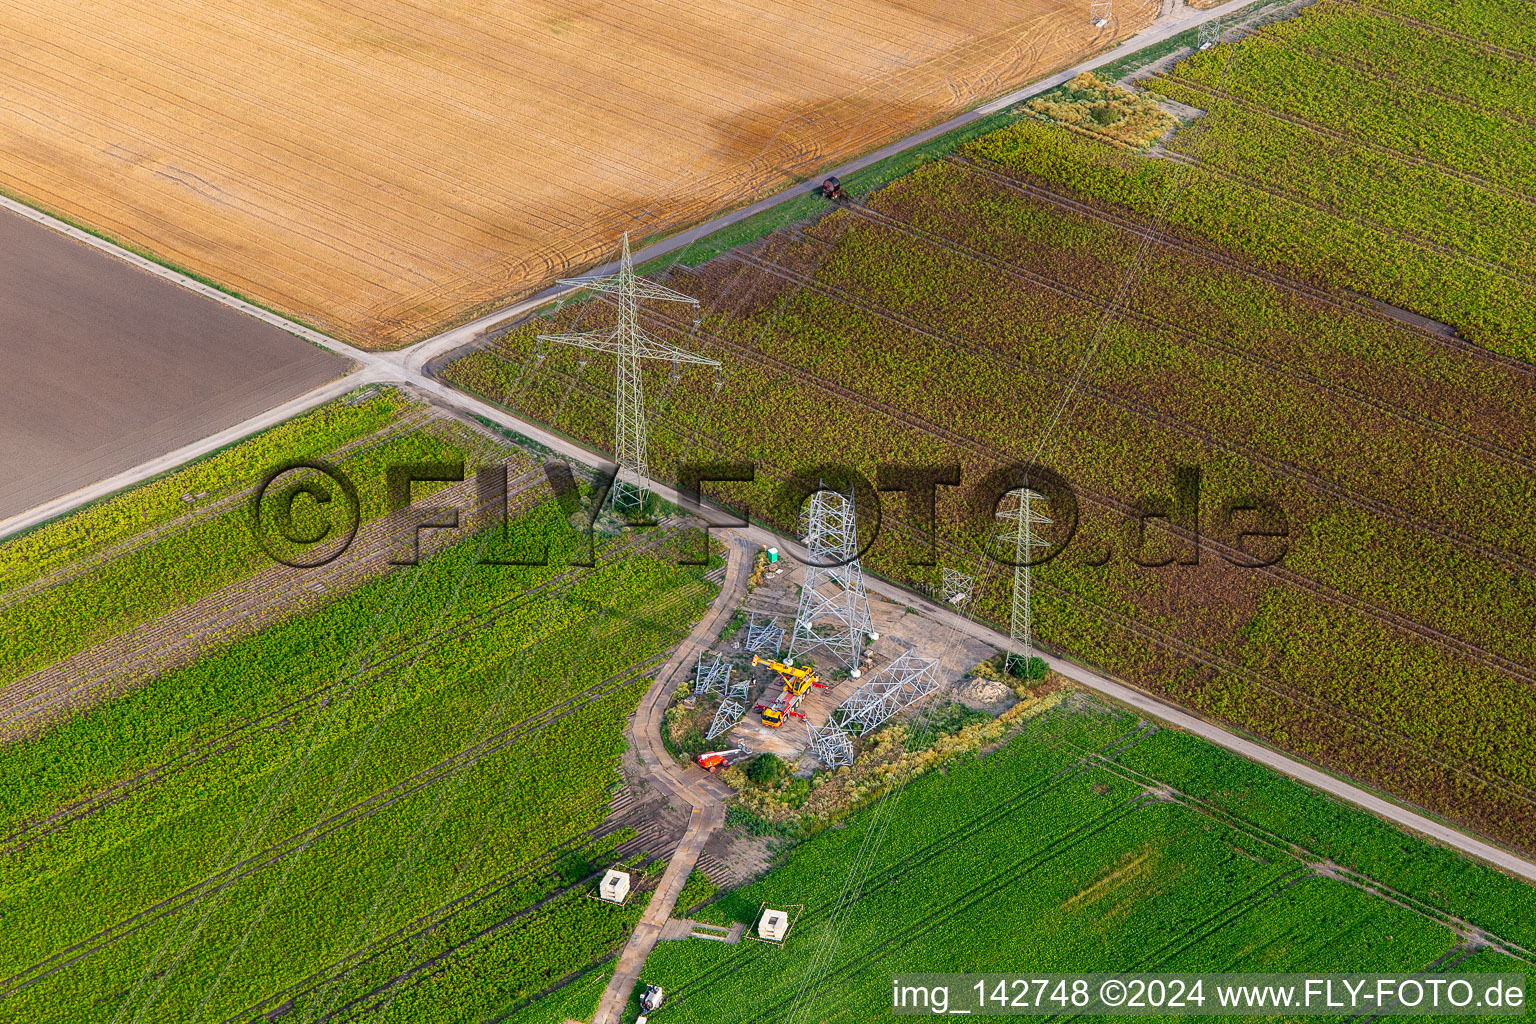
<point x="713" y="760"/>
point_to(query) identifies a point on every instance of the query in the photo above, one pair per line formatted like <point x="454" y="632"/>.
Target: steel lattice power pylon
<point x="712" y="675"/>
<point x="763" y="634"/>
<point x="830" y="745"/>
<point x="899" y="685"/>
<point x="834" y="610"/>
<point x="1021" y="518"/>
<point x="629" y="344"/>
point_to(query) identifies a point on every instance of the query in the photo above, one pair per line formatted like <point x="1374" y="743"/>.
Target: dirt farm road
<point x="703" y="793"/>
<point x="406" y="367"/>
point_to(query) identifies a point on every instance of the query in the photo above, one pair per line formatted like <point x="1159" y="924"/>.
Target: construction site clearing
<point x="898" y="634"/>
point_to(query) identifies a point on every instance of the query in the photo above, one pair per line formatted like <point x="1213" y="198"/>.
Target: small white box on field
<point x="614" y="887"/>
<point x="774" y="925"/>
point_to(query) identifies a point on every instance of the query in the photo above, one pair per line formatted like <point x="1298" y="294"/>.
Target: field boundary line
<point x="177" y="277"/>
<point x="174" y="460"/>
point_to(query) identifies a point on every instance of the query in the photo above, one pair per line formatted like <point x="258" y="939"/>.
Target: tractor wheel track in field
<point x="544" y="863"/>
<point x="1396" y="620"/>
<point x="1295" y="197"/>
<point x="1340" y="391"/>
<point x="168" y="625"/>
<point x="1164" y="237"/>
<point x="30" y="833"/>
<point x="1200" y="435"/>
<point x="1439" y="30"/>
<point x="986" y="888"/>
<point x="1019" y="799"/>
<point x="360" y="811"/>
<point x="436" y="964"/>
<point x="178" y="631"/>
<point x="1324" y="591"/>
<point x="1288" y="847"/>
<point x="1217" y="920"/>
<point x="1306" y="124"/>
<point x="1234" y="910"/>
<point x="1391" y="79"/>
<point x="1517" y="276"/>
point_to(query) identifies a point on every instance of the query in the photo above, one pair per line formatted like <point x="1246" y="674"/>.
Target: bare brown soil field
<point x="381" y="169"/>
<point x="107" y="366"/>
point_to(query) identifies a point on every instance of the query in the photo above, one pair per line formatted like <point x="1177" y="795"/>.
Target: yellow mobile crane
<point x="797" y="681"/>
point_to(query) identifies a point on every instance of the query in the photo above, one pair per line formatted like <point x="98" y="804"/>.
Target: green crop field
<point x="1383" y="147"/>
<point x="233" y="790"/>
<point x="387" y="802"/>
<point x="388" y="807"/>
<point x="977" y="311"/>
<point x="1092" y="843"/>
<point x="110" y="567"/>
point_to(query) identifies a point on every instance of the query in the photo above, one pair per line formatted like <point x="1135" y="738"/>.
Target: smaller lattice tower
<point x="834" y="610"/>
<point x="1209" y="33"/>
<point x="830" y="745"/>
<point x="763" y="634"/>
<point x="956" y="587"/>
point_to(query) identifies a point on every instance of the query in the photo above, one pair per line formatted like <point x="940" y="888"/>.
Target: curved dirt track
<point x="703" y="793"/>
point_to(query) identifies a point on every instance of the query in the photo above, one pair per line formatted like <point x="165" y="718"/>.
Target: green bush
<point x="767" y="769"/>
<point x="697" y="889"/>
<point x="752" y="824"/>
<point x="1031" y="671"/>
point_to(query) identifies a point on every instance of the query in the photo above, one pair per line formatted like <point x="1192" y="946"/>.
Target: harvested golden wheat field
<point x="383" y="168"/>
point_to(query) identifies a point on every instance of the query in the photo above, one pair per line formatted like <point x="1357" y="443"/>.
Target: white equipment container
<point x="773" y="925"/>
<point x="614" y="887"/>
